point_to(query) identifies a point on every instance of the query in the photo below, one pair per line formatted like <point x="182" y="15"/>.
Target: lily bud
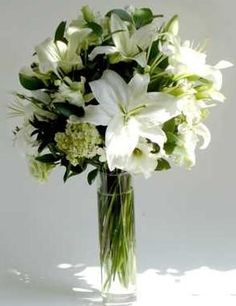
<point x="87" y="13"/>
<point x="173" y="25"/>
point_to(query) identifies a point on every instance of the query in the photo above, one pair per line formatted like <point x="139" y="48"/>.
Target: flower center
<point x="137" y="152"/>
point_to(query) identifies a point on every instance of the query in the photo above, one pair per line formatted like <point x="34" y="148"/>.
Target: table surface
<point x="71" y="285"/>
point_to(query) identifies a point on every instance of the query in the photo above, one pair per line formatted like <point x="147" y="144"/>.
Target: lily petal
<point x="121" y="139"/>
<point x="160" y="107"/>
<point x="141" y="59"/>
<point x="102" y="50"/>
<point x="49" y="54"/>
<point x="110" y="91"/>
<point x="138" y="87"/>
<point x="144" y="36"/>
<point x="223" y="64"/>
<point x="96" y="115"/>
<point x="121" y="39"/>
<point x="203" y="131"/>
<point x="153" y="133"/>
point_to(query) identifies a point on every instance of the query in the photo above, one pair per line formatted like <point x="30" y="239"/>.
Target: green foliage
<point x="171" y="143"/>
<point x="48" y="158"/>
<point x="159" y="82"/>
<point x="142" y="17"/>
<point x="45" y="131"/>
<point x="95" y="27"/>
<point x="92" y="176"/>
<point x="67" y="109"/>
<point x="154" y="52"/>
<point x="30" y="82"/>
<point x="72" y="170"/>
<point x="122" y="14"/>
<point x="60" y="31"/>
<point x="163" y="165"/>
<point x="169" y="126"/>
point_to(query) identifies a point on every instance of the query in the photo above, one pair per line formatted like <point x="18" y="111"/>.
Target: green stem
<point x="116" y="231"/>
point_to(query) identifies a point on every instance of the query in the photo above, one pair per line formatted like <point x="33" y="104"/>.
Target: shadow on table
<point x="67" y="283"/>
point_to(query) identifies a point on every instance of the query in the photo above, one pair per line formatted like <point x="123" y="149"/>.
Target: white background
<point x="186" y="220"/>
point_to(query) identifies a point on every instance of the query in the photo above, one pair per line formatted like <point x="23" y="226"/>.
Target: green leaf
<point x="60" y="31"/>
<point x="92" y="176"/>
<point x="142" y="17"/>
<point x="67" y="109"/>
<point x="171" y="137"/>
<point x="171" y="143"/>
<point x="163" y="165"/>
<point x="97" y="29"/>
<point x="30" y="82"/>
<point x="48" y="158"/>
<point x="122" y="14"/>
<point x="169" y="126"/>
<point x="172" y="26"/>
<point x="67" y="172"/>
<point x="154" y="52"/>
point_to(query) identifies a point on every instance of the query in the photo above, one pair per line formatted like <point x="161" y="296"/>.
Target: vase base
<point x="119" y="299"/>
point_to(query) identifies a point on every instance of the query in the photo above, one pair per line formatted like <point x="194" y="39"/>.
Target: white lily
<point x="184" y="153"/>
<point x="129" y="112"/>
<point x="141" y="161"/>
<point x="53" y="55"/>
<point x="128" y="45"/>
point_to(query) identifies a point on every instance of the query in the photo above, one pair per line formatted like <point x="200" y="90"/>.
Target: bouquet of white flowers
<point x="122" y="93"/>
<point x="119" y="92"/>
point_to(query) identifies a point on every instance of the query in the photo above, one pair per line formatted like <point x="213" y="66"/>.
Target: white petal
<point x="153" y="133"/>
<point x="121" y="39"/>
<point x="48" y="55"/>
<point x="203" y="131"/>
<point x="94" y="114"/>
<point x="61" y="48"/>
<point x="214" y="75"/>
<point x="121" y="139"/>
<point x="144" y="163"/>
<point x="41" y="96"/>
<point x="102" y="50"/>
<point x="144" y="36"/>
<point x="160" y="107"/>
<point x="141" y="59"/>
<point x="138" y="87"/>
<point x="223" y="65"/>
<point x="110" y="91"/>
<point x="217" y="96"/>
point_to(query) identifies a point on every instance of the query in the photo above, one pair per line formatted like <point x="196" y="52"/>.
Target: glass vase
<point x="117" y="238"/>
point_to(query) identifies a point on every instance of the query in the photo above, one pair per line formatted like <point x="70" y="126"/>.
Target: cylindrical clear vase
<point x="117" y="238"/>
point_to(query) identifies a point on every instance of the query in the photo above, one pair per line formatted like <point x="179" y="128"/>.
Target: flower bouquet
<point x="120" y="93"/>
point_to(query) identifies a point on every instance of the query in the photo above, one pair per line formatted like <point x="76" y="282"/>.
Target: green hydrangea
<point x="80" y="140"/>
<point x="39" y="170"/>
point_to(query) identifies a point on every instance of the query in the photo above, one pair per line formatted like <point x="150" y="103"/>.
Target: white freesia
<point x="129" y="112"/>
<point x="22" y="138"/>
<point x="69" y="91"/>
<point x="184" y="153"/>
<point x="141" y="161"/>
<point x="53" y="55"/>
<point x="128" y="45"/>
